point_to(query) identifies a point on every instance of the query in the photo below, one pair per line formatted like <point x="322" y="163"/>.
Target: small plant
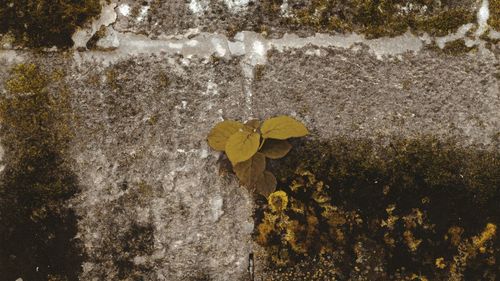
<point x="247" y="146"/>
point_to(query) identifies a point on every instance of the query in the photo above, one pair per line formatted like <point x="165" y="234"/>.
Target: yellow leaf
<point x="249" y="171"/>
<point x="218" y="136"/>
<point x="265" y="184"/>
<point x="283" y="127"/>
<point x="241" y="146"/>
<point x="275" y="149"/>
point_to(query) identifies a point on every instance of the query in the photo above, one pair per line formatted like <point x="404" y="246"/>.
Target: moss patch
<point x="494" y="20"/>
<point x="44" y="23"/>
<point x="375" y="18"/>
<point x="456" y="47"/>
<point x="401" y="207"/>
<point x="37" y="233"/>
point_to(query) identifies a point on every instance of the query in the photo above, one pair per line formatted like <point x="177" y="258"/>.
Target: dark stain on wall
<point x="37" y="233"/>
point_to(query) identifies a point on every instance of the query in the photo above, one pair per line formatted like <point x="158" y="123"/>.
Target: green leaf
<point x="249" y="171"/>
<point x="218" y="136"/>
<point x="282" y="128"/>
<point x="266" y="184"/>
<point x="275" y="149"/>
<point x="241" y="146"/>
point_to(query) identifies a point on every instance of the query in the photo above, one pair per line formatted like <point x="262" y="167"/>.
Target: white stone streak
<point x="198" y="6"/>
<point x="236" y="5"/>
<point x="124" y="9"/>
<point x="217" y="203"/>
<point x="142" y="13"/>
<point x="220" y="46"/>
<point x="482" y="17"/>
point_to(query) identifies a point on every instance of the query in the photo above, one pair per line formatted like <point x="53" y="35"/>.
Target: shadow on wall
<point x="37" y="229"/>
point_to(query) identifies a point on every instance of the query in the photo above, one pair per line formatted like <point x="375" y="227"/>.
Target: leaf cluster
<point x="248" y="145"/>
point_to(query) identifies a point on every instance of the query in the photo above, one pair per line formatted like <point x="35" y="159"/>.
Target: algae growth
<point x="37" y="234"/>
<point x="414" y="208"/>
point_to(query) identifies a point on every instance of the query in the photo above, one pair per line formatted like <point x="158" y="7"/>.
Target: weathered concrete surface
<point x="153" y="205"/>
<point x="355" y="94"/>
<point x="150" y="138"/>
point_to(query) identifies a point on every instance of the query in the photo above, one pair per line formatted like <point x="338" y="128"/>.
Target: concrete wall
<point x="165" y="72"/>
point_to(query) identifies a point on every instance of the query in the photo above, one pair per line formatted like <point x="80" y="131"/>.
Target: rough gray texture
<point x="354" y="94"/>
<point x="143" y="160"/>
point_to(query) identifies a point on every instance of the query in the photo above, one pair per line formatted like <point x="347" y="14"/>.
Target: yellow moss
<point x="268" y="226"/>
<point x="391" y="219"/>
<point x="446" y="21"/>
<point x="112" y="79"/>
<point x="414" y="219"/>
<point x="293" y="230"/>
<point x="440" y="263"/>
<point x="411" y="241"/>
<point x="488" y="233"/>
<point x="333" y="216"/>
<point x="469" y="249"/>
<point x="457" y="47"/>
<point x="418" y="277"/>
<point x="259" y="71"/>
<point x="301" y="236"/>
<point x="34" y="118"/>
<point x="494" y="19"/>
<point x="454" y="235"/>
<point x="380" y="18"/>
<point x="434" y="184"/>
<point x="278" y="201"/>
<point x="36" y="128"/>
<point x="389" y="240"/>
<point x="27" y="80"/>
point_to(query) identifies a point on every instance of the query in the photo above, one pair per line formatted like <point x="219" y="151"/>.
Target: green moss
<point x="37" y="230"/>
<point x="494" y="19"/>
<point x="456" y="47"/>
<point x="259" y="71"/>
<point x="404" y="196"/>
<point x="376" y="18"/>
<point x="45" y="23"/>
<point x="445" y="22"/>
